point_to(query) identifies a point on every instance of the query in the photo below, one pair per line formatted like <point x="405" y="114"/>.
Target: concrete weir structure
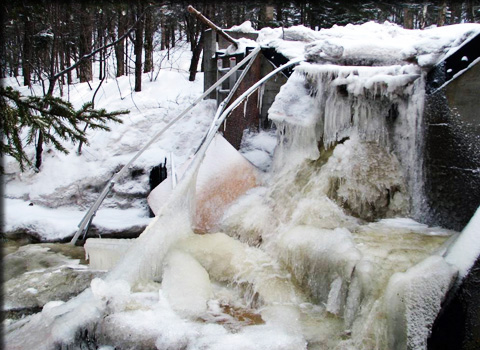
<point x="452" y="138"/>
<point x="450" y="126"/>
<point x="452" y="145"/>
<point x="450" y="133"/>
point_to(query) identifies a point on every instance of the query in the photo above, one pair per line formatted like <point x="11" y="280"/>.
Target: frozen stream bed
<point x="280" y="277"/>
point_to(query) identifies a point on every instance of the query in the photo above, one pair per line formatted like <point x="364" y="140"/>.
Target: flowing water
<point x="321" y="255"/>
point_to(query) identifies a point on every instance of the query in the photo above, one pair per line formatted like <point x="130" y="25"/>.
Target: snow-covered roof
<point x="369" y="43"/>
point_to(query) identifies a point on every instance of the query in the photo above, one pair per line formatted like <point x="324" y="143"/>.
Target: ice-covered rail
<point x="217" y="122"/>
<point x="87" y="219"/>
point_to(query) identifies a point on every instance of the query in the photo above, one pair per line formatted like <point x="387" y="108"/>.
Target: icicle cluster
<point x="322" y="105"/>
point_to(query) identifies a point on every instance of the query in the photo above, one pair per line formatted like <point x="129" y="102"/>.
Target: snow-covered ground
<point x="50" y="204"/>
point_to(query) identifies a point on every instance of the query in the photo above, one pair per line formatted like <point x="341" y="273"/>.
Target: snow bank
<point x="245" y="27"/>
<point x="369" y="43"/>
<point x="47" y="224"/>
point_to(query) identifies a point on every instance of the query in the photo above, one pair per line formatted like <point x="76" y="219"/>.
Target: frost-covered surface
<point x="369" y="44"/>
<point x="413" y="300"/>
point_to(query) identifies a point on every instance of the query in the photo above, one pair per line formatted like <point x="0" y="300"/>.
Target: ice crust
<point x="104" y="253"/>
<point x="186" y="284"/>
<point x="309" y="250"/>
<point x="413" y="300"/>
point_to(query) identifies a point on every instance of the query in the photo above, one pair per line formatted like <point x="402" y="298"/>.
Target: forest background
<point x="56" y="44"/>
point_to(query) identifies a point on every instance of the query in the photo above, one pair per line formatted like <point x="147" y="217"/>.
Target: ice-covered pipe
<point x="91" y="212"/>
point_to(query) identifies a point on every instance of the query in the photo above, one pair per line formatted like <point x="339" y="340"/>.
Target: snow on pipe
<point x="83" y="225"/>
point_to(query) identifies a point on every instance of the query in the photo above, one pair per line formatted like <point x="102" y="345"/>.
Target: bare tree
<point x="148" y="45"/>
<point x="85" y="44"/>
<point x="138" y="48"/>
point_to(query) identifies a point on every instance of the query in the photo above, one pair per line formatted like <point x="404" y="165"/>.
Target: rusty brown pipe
<point x="212" y="25"/>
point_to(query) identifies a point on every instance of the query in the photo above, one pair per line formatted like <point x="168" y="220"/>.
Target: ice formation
<point x="104" y="253"/>
<point x="315" y="258"/>
<point x="379" y="105"/>
<point x="223" y="176"/>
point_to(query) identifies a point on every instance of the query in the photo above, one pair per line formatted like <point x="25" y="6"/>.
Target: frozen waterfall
<point x="319" y="256"/>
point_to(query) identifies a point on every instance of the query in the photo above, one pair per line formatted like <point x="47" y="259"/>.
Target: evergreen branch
<point x="55" y="118"/>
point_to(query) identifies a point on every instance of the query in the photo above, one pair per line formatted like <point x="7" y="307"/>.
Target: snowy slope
<point x="51" y="203"/>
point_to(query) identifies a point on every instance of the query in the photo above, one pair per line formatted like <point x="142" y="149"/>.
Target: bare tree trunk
<point x="196" y="57"/>
<point x="172" y="33"/>
<point x="162" y="28"/>
<point x="138" y="50"/>
<point x="100" y="41"/>
<point x="120" y="47"/>
<point x="148" y="67"/>
<point x="442" y="14"/>
<point x="407" y="18"/>
<point x="39" y="150"/>
<point x="27" y="51"/>
<point x="85" y="45"/>
<point x="469" y="11"/>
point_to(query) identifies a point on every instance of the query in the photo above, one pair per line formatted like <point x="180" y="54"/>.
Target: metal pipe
<point x="218" y="121"/>
<point x="230" y="95"/>
<point x="91" y="212"/>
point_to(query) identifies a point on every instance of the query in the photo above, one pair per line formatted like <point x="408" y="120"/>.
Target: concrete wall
<point x="463" y="96"/>
<point x="452" y="117"/>
<point x="452" y="150"/>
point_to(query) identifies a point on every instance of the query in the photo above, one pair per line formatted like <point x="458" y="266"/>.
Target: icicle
<point x="245" y="108"/>
<point x="260" y="98"/>
<point x="173" y="172"/>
